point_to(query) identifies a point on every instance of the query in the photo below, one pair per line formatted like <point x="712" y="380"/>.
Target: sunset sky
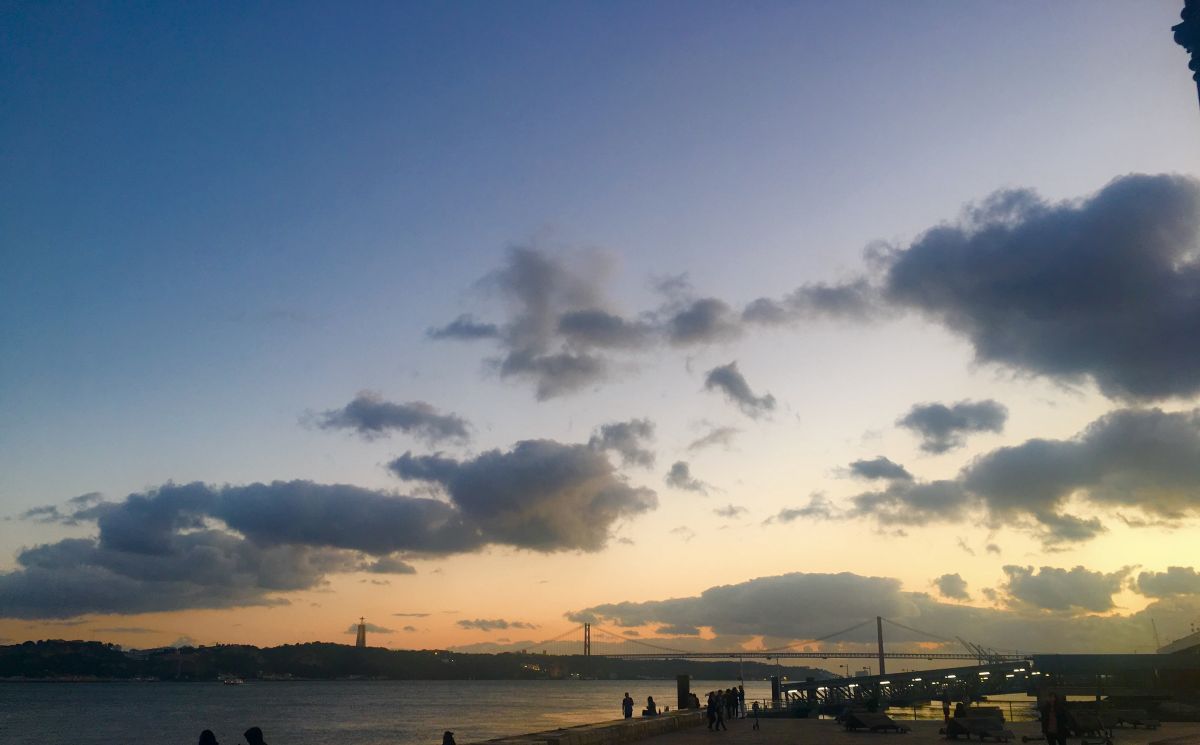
<point x="724" y="324"/>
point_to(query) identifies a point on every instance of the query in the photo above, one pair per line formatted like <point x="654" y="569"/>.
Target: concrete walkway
<point x="923" y="732"/>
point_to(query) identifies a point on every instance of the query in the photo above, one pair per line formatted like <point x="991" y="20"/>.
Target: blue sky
<point x="218" y="221"/>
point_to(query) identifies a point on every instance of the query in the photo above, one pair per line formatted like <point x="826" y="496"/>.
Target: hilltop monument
<point x="361" y="641"/>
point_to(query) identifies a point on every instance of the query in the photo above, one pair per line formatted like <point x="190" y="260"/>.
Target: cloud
<point x="703" y="321"/>
<point x="465" y="328"/>
<point x="944" y="428"/>
<point x="409" y="629"/>
<point x="1143" y="459"/>
<point x="818" y="508"/>
<point x="200" y="546"/>
<point x="600" y="329"/>
<point x="730" y="511"/>
<point x="557" y="316"/>
<point x="684" y="532"/>
<point x="677" y="630"/>
<point x="798" y="606"/>
<point x="729" y="380"/>
<point x="914" y="503"/>
<point x="625" y="438"/>
<point x="372" y="628"/>
<point x="680" y="477"/>
<point x="541" y="495"/>
<point x="952" y="586"/>
<point x="1051" y="588"/>
<point x="388" y="565"/>
<point x="966" y="547"/>
<point x="879" y="468"/>
<point x="1106" y="287"/>
<point x="1174" y="581"/>
<point x="722" y="436"/>
<point x="855" y="300"/>
<point x="372" y="417"/>
<point x="411" y="615"/>
<point x="494" y="624"/>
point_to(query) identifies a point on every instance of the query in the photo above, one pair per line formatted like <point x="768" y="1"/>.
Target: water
<point x="318" y="712"/>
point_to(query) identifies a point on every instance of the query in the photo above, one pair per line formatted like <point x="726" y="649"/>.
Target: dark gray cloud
<point x="799" y="606"/>
<point x="494" y="624"/>
<point x="1174" y="581"/>
<point x="914" y="503"/>
<point x="729" y="380"/>
<point x="388" y="565"/>
<point x="465" y="328"/>
<point x="818" y="508"/>
<point x="371" y="417"/>
<point x="625" y="439"/>
<point x="541" y="495"/>
<point x="680" y="477"/>
<point x="703" y="321"/>
<point x="879" y="468"/>
<point x="1052" y="588"/>
<point x="603" y="330"/>
<point x="200" y="546"/>
<point x="730" y="511"/>
<point x="371" y="628"/>
<point x="409" y="629"/>
<point x="1106" y="287"/>
<point x="560" y="331"/>
<point x="677" y="630"/>
<point x="856" y="300"/>
<point x="952" y="586"/>
<point x="1144" y="459"/>
<point x="722" y="436"/>
<point x="943" y="428"/>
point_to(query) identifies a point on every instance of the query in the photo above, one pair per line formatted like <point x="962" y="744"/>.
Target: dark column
<point x="879" y="631"/>
<point x="683" y="692"/>
<point x="776" y="691"/>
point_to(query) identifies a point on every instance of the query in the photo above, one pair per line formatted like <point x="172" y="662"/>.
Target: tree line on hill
<point x="89" y="660"/>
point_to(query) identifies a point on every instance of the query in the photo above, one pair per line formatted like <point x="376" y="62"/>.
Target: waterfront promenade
<point x="690" y="731"/>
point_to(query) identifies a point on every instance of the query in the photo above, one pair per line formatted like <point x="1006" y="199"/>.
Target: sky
<point x="725" y="325"/>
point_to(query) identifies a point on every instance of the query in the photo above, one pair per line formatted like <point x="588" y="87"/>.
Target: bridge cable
<point x="819" y="639"/>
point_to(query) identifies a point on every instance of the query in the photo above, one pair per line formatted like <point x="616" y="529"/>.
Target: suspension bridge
<point x="591" y="640"/>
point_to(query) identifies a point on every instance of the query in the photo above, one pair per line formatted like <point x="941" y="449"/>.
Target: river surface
<point x="318" y="713"/>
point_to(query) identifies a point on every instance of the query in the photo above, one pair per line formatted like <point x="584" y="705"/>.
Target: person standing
<point x="627" y="706"/>
<point x="741" y="691"/>
<point x="1054" y="720"/>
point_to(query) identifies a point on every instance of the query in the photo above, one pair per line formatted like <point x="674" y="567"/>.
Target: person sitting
<point x="651" y="710"/>
<point x="208" y="738"/>
<point x="448" y="738"/>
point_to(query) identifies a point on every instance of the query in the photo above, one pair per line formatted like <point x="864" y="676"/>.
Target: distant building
<point x="1189" y="644"/>
<point x="362" y="633"/>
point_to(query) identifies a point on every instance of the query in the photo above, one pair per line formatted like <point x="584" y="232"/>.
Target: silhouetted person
<point x="946" y="709"/>
<point x="755" y="715"/>
<point x="960" y="710"/>
<point x="1054" y="720"/>
<point x="651" y="709"/>
<point x="627" y="706"/>
<point x="208" y="738"/>
<point x="448" y="738"/>
<point x="710" y="710"/>
<point x="254" y="736"/>
<point x="741" y="693"/>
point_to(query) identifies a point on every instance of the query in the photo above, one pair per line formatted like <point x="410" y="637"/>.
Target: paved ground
<point x="828" y="732"/>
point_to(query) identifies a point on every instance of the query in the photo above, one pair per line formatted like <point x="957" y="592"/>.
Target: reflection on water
<point x="347" y="713"/>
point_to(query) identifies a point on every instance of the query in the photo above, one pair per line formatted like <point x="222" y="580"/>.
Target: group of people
<point x="254" y="736"/>
<point x="727" y="704"/>
<point x="651" y="709"/>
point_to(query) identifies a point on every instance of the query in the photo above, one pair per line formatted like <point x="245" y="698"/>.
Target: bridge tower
<point x="361" y="641"/>
<point x="879" y="631"/>
<point x="587" y="640"/>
